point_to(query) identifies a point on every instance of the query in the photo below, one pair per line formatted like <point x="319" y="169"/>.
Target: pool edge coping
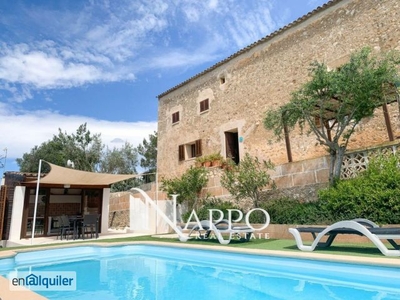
<point x="380" y="261"/>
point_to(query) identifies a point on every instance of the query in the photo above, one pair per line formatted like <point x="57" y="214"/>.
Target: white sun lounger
<point x="358" y="226"/>
<point x="218" y="229"/>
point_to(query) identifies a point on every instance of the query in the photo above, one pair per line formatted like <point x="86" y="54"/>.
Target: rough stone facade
<point x="119" y="210"/>
<point x="243" y="87"/>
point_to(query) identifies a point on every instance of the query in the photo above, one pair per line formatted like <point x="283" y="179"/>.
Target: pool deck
<point x="49" y="243"/>
<point x="111" y="234"/>
<point x="25" y="294"/>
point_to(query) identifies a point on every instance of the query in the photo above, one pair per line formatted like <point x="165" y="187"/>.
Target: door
<point x="232" y="145"/>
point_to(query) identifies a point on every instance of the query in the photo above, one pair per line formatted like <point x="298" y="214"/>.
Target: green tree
<point x="340" y="99"/>
<point x="148" y="152"/>
<point x="188" y="187"/>
<point x="83" y="148"/>
<point x="248" y="178"/>
<point x="50" y="151"/>
<point x="120" y="161"/>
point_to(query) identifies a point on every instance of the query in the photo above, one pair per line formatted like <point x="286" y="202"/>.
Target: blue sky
<point x="103" y="62"/>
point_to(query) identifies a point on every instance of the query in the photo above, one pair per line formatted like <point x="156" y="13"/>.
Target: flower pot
<point x="207" y="164"/>
<point x="216" y="163"/>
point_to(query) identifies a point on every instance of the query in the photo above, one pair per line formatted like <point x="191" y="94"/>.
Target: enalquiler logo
<point x="42" y="281"/>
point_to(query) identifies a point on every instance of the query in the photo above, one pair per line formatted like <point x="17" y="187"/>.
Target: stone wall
<point x="299" y="180"/>
<point x="262" y="76"/>
<point x="119" y="205"/>
<point x="119" y="210"/>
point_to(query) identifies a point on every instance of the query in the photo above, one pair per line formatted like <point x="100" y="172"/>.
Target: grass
<point x="362" y="250"/>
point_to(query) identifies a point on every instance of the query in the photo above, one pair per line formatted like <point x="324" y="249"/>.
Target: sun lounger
<point x="220" y="229"/>
<point x="362" y="227"/>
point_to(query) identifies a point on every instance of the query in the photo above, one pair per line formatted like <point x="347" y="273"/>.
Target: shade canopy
<point x="71" y="177"/>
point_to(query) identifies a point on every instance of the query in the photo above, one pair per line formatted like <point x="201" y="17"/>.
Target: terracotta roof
<point x="264" y="39"/>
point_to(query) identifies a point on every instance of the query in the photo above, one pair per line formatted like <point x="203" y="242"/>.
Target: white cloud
<point x="42" y="70"/>
<point x="21" y="131"/>
<point x="105" y="41"/>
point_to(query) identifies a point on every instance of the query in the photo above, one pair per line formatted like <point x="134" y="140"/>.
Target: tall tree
<point x="120" y="161"/>
<point x="339" y="99"/>
<point x="50" y="151"/>
<point x="83" y="148"/>
<point x="148" y="152"/>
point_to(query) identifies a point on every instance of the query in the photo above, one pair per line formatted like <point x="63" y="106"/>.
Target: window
<point x="204" y="105"/>
<point x="175" y="117"/>
<point x="190" y="150"/>
<point x="181" y="152"/>
<point x="222" y="80"/>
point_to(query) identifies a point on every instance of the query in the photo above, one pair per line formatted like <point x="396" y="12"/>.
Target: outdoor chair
<point x="65" y="228"/>
<point x="362" y="227"/>
<point x="90" y="225"/>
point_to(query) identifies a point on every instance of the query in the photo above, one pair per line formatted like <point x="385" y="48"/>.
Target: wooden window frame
<point x="175" y="117"/>
<point x="181" y="152"/>
<point x="204" y="105"/>
<point x="198" y="150"/>
<point x="190" y="150"/>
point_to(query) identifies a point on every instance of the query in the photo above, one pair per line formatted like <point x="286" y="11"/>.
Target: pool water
<point x="155" y="272"/>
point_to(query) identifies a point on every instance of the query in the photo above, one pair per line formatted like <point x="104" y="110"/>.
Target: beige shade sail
<point x="71" y="177"/>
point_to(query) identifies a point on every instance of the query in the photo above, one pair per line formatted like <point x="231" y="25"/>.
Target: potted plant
<point x="203" y="161"/>
<point x="216" y="159"/>
<point x="207" y="161"/>
<point x="199" y="161"/>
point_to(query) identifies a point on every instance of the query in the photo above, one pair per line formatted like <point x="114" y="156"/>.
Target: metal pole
<point x="156" y="202"/>
<point x="5" y="160"/>
<point x="36" y="201"/>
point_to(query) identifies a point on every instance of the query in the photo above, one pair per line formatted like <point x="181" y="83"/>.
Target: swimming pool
<point x="155" y="272"/>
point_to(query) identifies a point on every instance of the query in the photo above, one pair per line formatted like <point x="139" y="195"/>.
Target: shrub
<point x="248" y="178"/>
<point x="188" y="186"/>
<point x="212" y="203"/>
<point x="374" y="194"/>
<point x="291" y="211"/>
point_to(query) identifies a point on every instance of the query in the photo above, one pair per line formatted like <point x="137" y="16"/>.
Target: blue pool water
<point x="154" y="272"/>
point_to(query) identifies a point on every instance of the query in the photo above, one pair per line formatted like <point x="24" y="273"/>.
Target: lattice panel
<point x="3" y="194"/>
<point x="354" y="163"/>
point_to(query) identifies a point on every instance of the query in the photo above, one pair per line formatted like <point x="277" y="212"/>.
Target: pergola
<point x="327" y="115"/>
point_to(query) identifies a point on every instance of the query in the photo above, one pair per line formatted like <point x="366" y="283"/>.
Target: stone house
<point x="221" y="109"/>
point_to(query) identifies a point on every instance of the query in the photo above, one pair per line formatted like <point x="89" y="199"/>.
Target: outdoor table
<point x="76" y="221"/>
